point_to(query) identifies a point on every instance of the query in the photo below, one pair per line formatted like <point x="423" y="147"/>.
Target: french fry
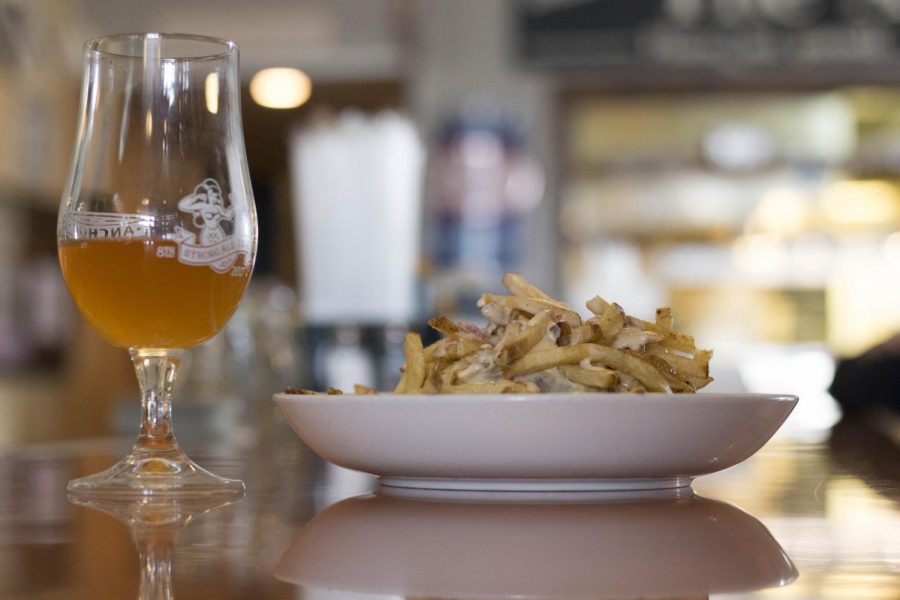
<point x="532" y="306"/>
<point x="588" y="332"/>
<point x="672" y="339"/>
<point x="415" y="362"/>
<point x="540" y="360"/>
<point x="629" y="364"/>
<point x="597" y="377"/>
<point x="444" y="325"/>
<point x="519" y="286"/>
<point x="630" y="338"/>
<point x="363" y="390"/>
<point x="533" y="338"/>
<point x="678" y="342"/>
<point x="611" y="321"/>
<point x="431" y="383"/>
<point x="400" y="388"/>
<point x="449" y="375"/>
<point x="452" y="349"/>
<point x="694" y="370"/>
<point x="509" y="350"/>
<point x="596" y="305"/>
<point x="503" y="386"/>
<point x="664" y="319"/>
<point x="510" y="332"/>
<point x="498" y="314"/>
<point x="676" y="382"/>
<point x="302" y="392"/>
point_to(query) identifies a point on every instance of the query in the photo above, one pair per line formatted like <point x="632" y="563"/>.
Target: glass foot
<point x="169" y="473"/>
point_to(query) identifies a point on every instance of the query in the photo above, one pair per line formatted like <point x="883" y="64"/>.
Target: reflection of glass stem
<point x="155" y="523"/>
<point x="155" y="549"/>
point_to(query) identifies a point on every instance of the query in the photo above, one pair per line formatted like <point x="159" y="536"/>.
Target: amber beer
<point x="137" y="293"/>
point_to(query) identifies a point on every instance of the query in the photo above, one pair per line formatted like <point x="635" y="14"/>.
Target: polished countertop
<point x="799" y="520"/>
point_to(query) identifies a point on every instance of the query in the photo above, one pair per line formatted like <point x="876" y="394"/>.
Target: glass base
<point x="168" y="473"/>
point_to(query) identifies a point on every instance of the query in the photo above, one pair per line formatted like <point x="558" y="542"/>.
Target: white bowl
<point x="538" y="442"/>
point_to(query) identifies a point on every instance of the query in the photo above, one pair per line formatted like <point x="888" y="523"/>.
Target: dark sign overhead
<point x="832" y="38"/>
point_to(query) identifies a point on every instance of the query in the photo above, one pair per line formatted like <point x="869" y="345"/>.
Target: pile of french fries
<point x="535" y="344"/>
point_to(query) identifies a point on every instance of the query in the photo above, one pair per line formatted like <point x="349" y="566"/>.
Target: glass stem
<point x="156" y="371"/>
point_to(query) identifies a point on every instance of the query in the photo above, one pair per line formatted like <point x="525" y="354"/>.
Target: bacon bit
<point x="479" y="332"/>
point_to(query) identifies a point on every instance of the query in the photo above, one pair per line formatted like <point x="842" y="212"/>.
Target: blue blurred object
<point x="480" y="188"/>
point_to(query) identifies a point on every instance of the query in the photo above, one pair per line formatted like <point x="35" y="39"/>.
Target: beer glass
<point x="157" y="227"/>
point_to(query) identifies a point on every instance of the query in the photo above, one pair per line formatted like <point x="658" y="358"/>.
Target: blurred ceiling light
<point x="782" y="211"/>
<point x="861" y="203"/>
<point x="212" y="93"/>
<point x="280" y="88"/>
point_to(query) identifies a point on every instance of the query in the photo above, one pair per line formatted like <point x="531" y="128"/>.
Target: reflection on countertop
<point x="155" y="523"/>
<point x="830" y="509"/>
<point x="626" y="545"/>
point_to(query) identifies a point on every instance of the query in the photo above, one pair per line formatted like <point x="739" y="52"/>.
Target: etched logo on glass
<point x="213" y="244"/>
<point x="97" y="225"/>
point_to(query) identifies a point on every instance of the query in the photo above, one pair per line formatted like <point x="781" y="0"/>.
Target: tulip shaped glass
<point x="157" y="227"/>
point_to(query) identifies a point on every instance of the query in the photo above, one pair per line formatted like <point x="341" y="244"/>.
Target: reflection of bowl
<point x="539" y="441"/>
<point x="663" y="548"/>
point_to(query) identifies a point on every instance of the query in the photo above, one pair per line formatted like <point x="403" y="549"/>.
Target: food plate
<point x="536" y="442"/>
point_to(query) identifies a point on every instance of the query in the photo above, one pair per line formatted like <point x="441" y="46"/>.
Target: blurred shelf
<point x="31" y="405"/>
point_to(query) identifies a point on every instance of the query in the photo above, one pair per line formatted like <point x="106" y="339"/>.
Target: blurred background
<point x="737" y="160"/>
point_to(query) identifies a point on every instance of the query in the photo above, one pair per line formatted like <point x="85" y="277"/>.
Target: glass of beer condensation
<point x="157" y="227"/>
